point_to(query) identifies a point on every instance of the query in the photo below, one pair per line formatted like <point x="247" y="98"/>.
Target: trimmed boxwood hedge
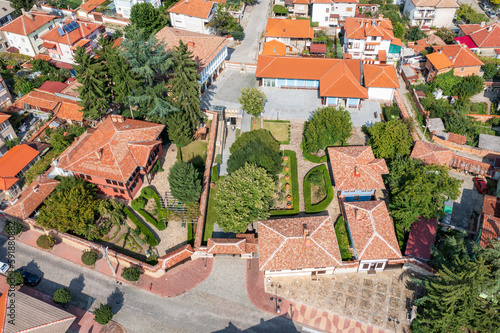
<point x="321" y="206"/>
<point x="312" y="158"/>
<point x="152" y="240"/>
<point x="138" y="205"/>
<point x="295" y="187"/>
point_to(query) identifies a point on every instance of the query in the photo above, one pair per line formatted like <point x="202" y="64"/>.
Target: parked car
<point x="481" y="185"/>
<point x="490" y="13"/>
<point x="4" y="268"/>
<point x="30" y="279"/>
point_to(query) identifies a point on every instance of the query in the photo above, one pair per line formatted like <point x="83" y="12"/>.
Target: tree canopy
<point x="245" y="196"/>
<point x="185" y="184"/>
<point x="470" y="15"/>
<point x="390" y="139"/>
<point x="22" y="4"/>
<point x="225" y="24"/>
<point x="145" y="16"/>
<point x="415" y="34"/>
<point x="252" y="100"/>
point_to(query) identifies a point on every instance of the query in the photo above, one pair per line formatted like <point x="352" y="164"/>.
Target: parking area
<point x="226" y="89"/>
<point x="290" y="103"/>
<point x="469" y="200"/>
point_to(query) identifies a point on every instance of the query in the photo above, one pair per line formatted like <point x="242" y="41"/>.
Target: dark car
<point x="30" y="279"/>
<point x="481" y="185"/>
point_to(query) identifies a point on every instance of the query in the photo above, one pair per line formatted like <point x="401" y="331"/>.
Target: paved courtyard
<point x="371" y="299"/>
<point x="469" y="200"/>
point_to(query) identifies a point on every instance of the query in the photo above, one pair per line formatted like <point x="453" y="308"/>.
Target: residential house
<point x="372" y="234"/>
<point x="7" y="14"/>
<point x="381" y="80"/>
<point x="274" y="48"/>
<point x="24" y="32"/>
<point x="431" y="154"/>
<point x="370" y="38"/>
<point x="62" y="41"/>
<point x="421" y="239"/>
<point x="5" y="96"/>
<point x="332" y="13"/>
<point x="296" y="34"/>
<point x="357" y="174"/>
<point x="32" y="314"/>
<point x="32" y="197"/>
<point x="481" y="38"/>
<point x="339" y="81"/>
<point x="13" y="165"/>
<point x="431" y="13"/>
<point x="489" y="142"/>
<point x="298" y="246"/>
<point x="299" y="8"/>
<point x="117" y="156"/>
<point x="6" y="132"/>
<point x="490" y="228"/>
<point x="123" y="7"/>
<point x="209" y="51"/>
<point x="53" y="86"/>
<point x="426" y="44"/>
<point x="457" y="57"/>
<point x="193" y="15"/>
<point x="88" y="8"/>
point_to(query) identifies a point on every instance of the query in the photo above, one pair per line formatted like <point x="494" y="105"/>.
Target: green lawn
<point x="343" y="239"/>
<point x="279" y="129"/>
<point x="487" y="130"/>
<point x="211" y="212"/>
<point x="196" y="153"/>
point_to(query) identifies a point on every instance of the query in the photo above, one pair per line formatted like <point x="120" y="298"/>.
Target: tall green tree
<point x="415" y="34"/>
<point x="179" y="129"/>
<point x="22" y="4"/>
<point x="185" y="184"/>
<point x="225" y="24"/>
<point x="145" y="16"/>
<point x="252" y="100"/>
<point x="390" y="139"/>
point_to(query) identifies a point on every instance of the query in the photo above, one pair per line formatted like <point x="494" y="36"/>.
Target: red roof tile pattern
<point x="435" y="3"/>
<point x="343" y="80"/>
<point x="431" y="154"/>
<point x="439" y="61"/>
<point x="70" y="111"/>
<point x="297" y="243"/>
<point x="252" y="245"/>
<point x="274" y="48"/>
<point x="195" y="8"/>
<point x="176" y="256"/>
<point x="317" y="48"/>
<point x="288" y="28"/>
<point x="488" y="36"/>
<point x="226" y="245"/>
<point x="465" y="40"/>
<point x="356" y="168"/>
<point x="105" y="152"/>
<point x="72" y="89"/>
<point x="53" y="86"/>
<point x="467" y="29"/>
<point x="421" y="239"/>
<point x="32" y="197"/>
<point x="24" y="25"/>
<point x="84" y="30"/>
<point x="360" y="28"/>
<point x="490" y="230"/>
<point x="372" y="230"/>
<point x="470" y="165"/>
<point x="203" y="47"/>
<point x="460" y="55"/>
<point x="3" y="117"/>
<point x="12" y="162"/>
<point x="90" y="5"/>
<point x="491" y="205"/>
<point x="380" y="76"/>
<point x="457" y="138"/>
<point x="424" y="43"/>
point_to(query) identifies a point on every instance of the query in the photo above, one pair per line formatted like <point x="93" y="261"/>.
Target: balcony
<point x="424" y="15"/>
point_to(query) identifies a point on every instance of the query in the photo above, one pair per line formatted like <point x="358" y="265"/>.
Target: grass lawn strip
<point x="294" y="184"/>
<point x="195" y="148"/>
<point x="280" y="129"/>
<point x="343" y="239"/>
<point x="211" y="211"/>
<point x="321" y="206"/>
<point x="152" y="240"/>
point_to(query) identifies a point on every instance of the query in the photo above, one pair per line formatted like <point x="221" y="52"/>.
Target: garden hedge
<point x="215" y="174"/>
<point x="343" y="239"/>
<point x="139" y="203"/>
<point x="312" y="158"/>
<point x="152" y="240"/>
<point x="295" y="187"/>
<point x="321" y="206"/>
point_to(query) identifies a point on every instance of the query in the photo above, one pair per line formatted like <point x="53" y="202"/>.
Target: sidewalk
<point x="299" y="313"/>
<point x="176" y="281"/>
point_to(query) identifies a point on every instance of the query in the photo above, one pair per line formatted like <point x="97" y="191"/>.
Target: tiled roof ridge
<point x="344" y="74"/>
<point x="229" y="243"/>
<point x="282" y="243"/>
<point x="382" y="71"/>
<point x="327" y="218"/>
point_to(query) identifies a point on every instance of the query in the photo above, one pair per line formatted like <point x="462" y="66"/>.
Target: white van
<point x="4" y="268"/>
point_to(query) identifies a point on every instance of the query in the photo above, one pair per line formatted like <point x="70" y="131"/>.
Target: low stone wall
<point x="483" y="117"/>
<point x="467" y="149"/>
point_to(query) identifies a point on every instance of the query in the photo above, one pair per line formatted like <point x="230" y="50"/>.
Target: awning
<point x="334" y="15"/>
<point x="48" y="45"/>
<point x="467" y="41"/>
<point x="80" y="43"/>
<point x="372" y="43"/>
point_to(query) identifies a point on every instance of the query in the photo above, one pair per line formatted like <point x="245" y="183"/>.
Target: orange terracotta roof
<point x="195" y="8"/>
<point x="4" y="117"/>
<point x="298" y="243"/>
<point x="491" y="205"/>
<point x="288" y="28"/>
<point x="23" y="25"/>
<point x="13" y="161"/>
<point x="226" y="245"/>
<point x="32" y="197"/>
<point x="360" y="28"/>
<point x="467" y="29"/>
<point x="76" y="36"/>
<point x="105" y="152"/>
<point x="439" y="61"/>
<point x="356" y="168"/>
<point x="380" y="76"/>
<point x="490" y="230"/>
<point x="274" y="48"/>
<point x="42" y="56"/>
<point x="72" y="89"/>
<point x="70" y="111"/>
<point x="460" y="55"/>
<point x="424" y="43"/>
<point x="203" y="47"/>
<point x="176" y="256"/>
<point x="488" y="36"/>
<point x="53" y="86"/>
<point x="397" y="41"/>
<point x="80" y="43"/>
<point x="382" y="56"/>
<point x="430" y="153"/>
<point x="91" y="5"/>
<point x="457" y="138"/>
<point x="48" y="45"/>
<point x="372" y="230"/>
<point x="343" y="81"/>
<point x="141" y="150"/>
<point x="435" y="3"/>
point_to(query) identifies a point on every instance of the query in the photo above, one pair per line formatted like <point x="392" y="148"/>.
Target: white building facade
<point x="431" y="13"/>
<point x="124" y="7"/>
<point x="193" y="15"/>
<point x="329" y="13"/>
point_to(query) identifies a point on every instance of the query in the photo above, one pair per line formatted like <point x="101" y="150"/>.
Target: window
<point x="366" y="266"/>
<point x="462" y="69"/>
<point x="82" y="176"/>
<point x="108" y="181"/>
<point x="119" y="183"/>
<point x="356" y="197"/>
<point x="27" y="51"/>
<point x="380" y="265"/>
<point x="35" y="37"/>
<point x="114" y="182"/>
<point x="89" y="178"/>
<point x="328" y="10"/>
<point x="8" y="137"/>
<point x="115" y="190"/>
<point x="348" y="9"/>
<point x="40" y="46"/>
<point x="122" y="191"/>
<point x="326" y="18"/>
<point x="50" y="26"/>
<point x="3" y="126"/>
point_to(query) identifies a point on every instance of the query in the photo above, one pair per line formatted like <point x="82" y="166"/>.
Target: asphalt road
<point x="219" y="304"/>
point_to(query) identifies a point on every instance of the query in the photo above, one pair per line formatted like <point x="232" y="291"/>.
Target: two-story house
<point x="5" y="96"/>
<point x="193" y="15"/>
<point x="481" y="38"/>
<point x="24" y="32"/>
<point x="62" y="41"/>
<point x="6" y="132"/>
<point x="123" y="7"/>
<point x="431" y="13"/>
<point x="88" y="8"/>
<point x="7" y="14"/>
<point x="295" y="34"/>
<point x="331" y="13"/>
<point x="458" y="58"/>
<point x="297" y="7"/>
<point x="13" y="166"/>
<point x="117" y="156"/>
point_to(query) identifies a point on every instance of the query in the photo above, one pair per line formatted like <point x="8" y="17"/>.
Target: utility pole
<point x="105" y="252"/>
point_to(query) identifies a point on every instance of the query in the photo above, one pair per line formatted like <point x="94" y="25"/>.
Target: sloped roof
<point x="343" y="80"/>
<point x="195" y="8"/>
<point x="70" y="111"/>
<point x="469" y="28"/>
<point x="491" y="205"/>
<point x="71" y="89"/>
<point x="465" y="40"/>
<point x="288" y="28"/>
<point x="90" y="5"/>
<point x="283" y="243"/>
<point x="176" y="256"/>
<point x="53" y="86"/>
<point x="105" y="152"/>
<point x="430" y="153"/>
<point x="16" y="159"/>
<point x="274" y="48"/>
<point x="4" y="117"/>
<point x="24" y="25"/>
<point x="372" y="230"/>
<point x="489" y="36"/>
<point x="424" y="43"/>
<point x="317" y="48"/>
<point x="460" y="55"/>
<point x="380" y="76"/>
<point x="439" y="60"/>
<point x="457" y="138"/>
<point x="84" y="30"/>
<point x="421" y="239"/>
<point x="436" y="3"/>
<point x="356" y="168"/>
<point x="226" y="245"/>
<point x="490" y="230"/>
<point x="360" y="28"/>
<point x="32" y="197"/>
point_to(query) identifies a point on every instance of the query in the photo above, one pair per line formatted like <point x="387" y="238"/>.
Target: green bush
<point x="391" y="112"/>
<point x="103" y="314"/>
<point x="321" y="206"/>
<point x="294" y="180"/>
<point x="150" y="193"/>
<point x="62" y="296"/>
<point x="313" y="158"/>
<point x="315" y="176"/>
<point x="343" y="239"/>
<point x="15" y="278"/>
<point x="215" y="173"/>
<point x="152" y="240"/>
<point x="13" y="228"/>
<point x="45" y="242"/>
<point x="138" y="203"/>
<point x="89" y="257"/>
<point x="131" y="273"/>
<point x="158" y="225"/>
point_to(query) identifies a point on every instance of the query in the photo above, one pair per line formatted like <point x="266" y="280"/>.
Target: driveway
<point x="469" y="200"/>
<point x="219" y="304"/>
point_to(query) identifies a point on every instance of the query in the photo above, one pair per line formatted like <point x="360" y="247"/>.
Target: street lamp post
<point x="276" y="287"/>
<point x="395" y="321"/>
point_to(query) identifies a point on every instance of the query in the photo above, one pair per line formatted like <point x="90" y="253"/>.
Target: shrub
<point x="343" y="239"/>
<point x="131" y="273"/>
<point x="13" y="228"/>
<point x="215" y="173"/>
<point x="62" y="296"/>
<point x="15" y="278"/>
<point x="138" y="203"/>
<point x="89" y="257"/>
<point x="150" y="193"/>
<point x="322" y="172"/>
<point x="311" y="157"/>
<point x="45" y="242"/>
<point x="315" y="176"/>
<point x="103" y="314"/>
<point x="152" y="240"/>
<point x="294" y="181"/>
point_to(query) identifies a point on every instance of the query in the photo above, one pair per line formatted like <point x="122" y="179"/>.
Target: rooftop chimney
<point x="116" y="118"/>
<point x="356" y="172"/>
<point x="482" y="24"/>
<point x="307" y="237"/>
<point x="98" y="153"/>
<point x="29" y="15"/>
<point x="381" y="16"/>
<point x="190" y="44"/>
<point x="440" y="51"/>
<point x="35" y="189"/>
<point x="489" y="28"/>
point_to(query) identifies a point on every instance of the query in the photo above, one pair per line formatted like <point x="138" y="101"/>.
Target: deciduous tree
<point x="22" y="4"/>
<point x="62" y="296"/>
<point x="252" y="100"/>
<point x="103" y="314"/>
<point x="390" y="139"/>
<point x="145" y="16"/>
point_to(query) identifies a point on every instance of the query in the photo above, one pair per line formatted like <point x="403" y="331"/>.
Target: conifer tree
<point x="185" y="184"/>
<point x="179" y="129"/>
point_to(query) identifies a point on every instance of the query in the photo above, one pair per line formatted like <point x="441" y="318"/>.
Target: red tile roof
<point x="32" y="197"/>
<point x="90" y="5"/>
<point x="490" y="230"/>
<point x="274" y="48"/>
<point x="4" y="117"/>
<point x="380" y="76"/>
<point x="176" y="256"/>
<point x="465" y="40"/>
<point x="431" y="154"/>
<point x="297" y="243"/>
<point x="288" y="28"/>
<point x="23" y="25"/>
<point x="84" y="30"/>
<point x="53" y="86"/>
<point x="439" y="61"/>
<point x="372" y="230"/>
<point x="457" y="138"/>
<point x="360" y="28"/>
<point x="226" y="245"/>
<point x="460" y="55"/>
<point x="489" y="36"/>
<point x="469" y="28"/>
<point x="491" y="205"/>
<point x="317" y="48"/>
<point x="343" y="80"/>
<point x="16" y="159"/>
<point x="422" y="236"/>
<point x="106" y="152"/>
<point x="356" y="168"/>
<point x="435" y="3"/>
<point x="72" y="88"/>
<point x="195" y="8"/>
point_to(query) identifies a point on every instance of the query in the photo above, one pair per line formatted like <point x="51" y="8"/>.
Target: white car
<point x="4" y="267"/>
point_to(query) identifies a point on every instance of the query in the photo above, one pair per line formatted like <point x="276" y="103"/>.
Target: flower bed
<point x="320" y="206"/>
<point x="152" y="240"/>
<point x="293" y="182"/>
